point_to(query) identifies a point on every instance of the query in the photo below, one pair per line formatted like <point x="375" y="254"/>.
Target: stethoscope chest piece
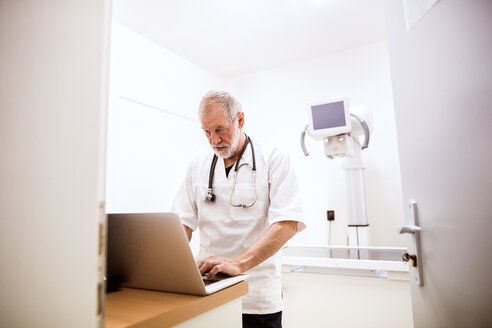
<point x="210" y="195"/>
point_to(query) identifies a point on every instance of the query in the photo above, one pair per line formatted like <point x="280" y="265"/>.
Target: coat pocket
<point x="255" y="199"/>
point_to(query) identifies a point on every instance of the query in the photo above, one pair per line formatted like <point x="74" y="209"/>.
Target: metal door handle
<point x="414" y="230"/>
<point x="409" y="229"/>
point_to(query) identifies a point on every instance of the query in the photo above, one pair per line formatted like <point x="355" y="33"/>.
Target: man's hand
<point x="268" y="244"/>
<point x="213" y="265"/>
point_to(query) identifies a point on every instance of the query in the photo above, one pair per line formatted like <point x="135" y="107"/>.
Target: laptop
<point x="151" y="251"/>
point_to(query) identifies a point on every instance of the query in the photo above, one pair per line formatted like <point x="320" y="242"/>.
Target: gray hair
<point x="228" y="102"/>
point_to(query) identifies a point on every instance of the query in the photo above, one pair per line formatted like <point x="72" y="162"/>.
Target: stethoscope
<point x="211" y="196"/>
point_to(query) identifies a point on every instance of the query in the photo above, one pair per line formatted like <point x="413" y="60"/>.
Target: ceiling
<point x="234" y="37"/>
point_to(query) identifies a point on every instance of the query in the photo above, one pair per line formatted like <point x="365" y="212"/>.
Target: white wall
<point x="53" y="93"/>
<point x="153" y="131"/>
<point x="149" y="148"/>
<point x="275" y="105"/>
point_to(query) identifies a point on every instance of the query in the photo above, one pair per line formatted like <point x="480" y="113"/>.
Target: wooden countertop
<point x="130" y="307"/>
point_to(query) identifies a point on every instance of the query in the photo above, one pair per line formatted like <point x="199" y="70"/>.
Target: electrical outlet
<point x="330" y="215"/>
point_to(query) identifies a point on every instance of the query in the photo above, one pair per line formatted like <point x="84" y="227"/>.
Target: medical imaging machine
<point x="344" y="134"/>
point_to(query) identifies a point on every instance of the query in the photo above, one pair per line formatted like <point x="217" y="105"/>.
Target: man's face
<point x="222" y="134"/>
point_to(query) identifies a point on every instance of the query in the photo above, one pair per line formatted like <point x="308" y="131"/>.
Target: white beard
<point x="231" y="149"/>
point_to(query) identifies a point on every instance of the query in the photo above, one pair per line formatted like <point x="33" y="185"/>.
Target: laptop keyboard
<point x="216" y="278"/>
<point x="209" y="281"/>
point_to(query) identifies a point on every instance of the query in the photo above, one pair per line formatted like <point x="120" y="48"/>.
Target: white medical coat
<point x="227" y="231"/>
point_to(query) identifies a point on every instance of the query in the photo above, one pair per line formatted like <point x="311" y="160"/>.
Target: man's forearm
<point x="268" y="244"/>
<point x="188" y="231"/>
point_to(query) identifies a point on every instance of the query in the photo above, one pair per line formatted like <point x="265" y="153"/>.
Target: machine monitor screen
<point x="326" y="116"/>
<point x="329" y="118"/>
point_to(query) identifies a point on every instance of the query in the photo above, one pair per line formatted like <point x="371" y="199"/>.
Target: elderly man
<point x="245" y="200"/>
